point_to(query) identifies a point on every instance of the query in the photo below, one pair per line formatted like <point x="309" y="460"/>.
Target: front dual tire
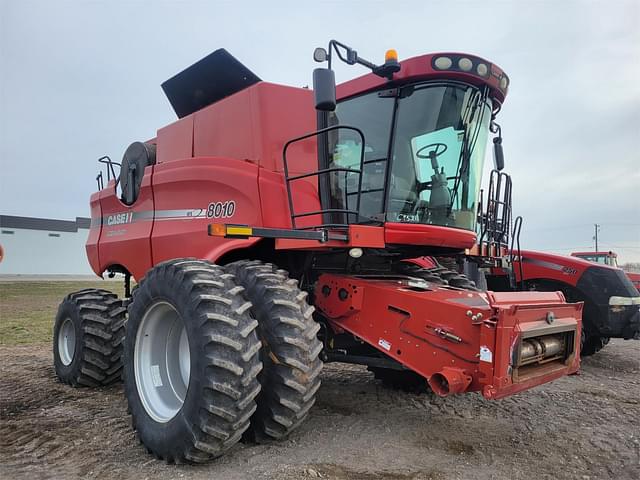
<point x="290" y="350"/>
<point x="191" y="361"/>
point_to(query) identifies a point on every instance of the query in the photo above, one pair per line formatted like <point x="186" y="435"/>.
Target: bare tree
<point x="631" y="266"/>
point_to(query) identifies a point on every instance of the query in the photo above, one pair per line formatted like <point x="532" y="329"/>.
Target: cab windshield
<point x="437" y="153"/>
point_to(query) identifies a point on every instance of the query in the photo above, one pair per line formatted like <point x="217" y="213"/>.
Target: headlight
<point x="443" y="63"/>
<point x="482" y="70"/>
<point x="621" y="301"/>
<point x="465" y="64"/>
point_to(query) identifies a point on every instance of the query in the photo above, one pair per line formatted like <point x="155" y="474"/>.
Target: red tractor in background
<point x="267" y="230"/>
<point x="608" y="258"/>
<point x="612" y="302"/>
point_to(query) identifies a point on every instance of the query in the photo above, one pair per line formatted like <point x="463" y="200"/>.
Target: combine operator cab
<point x="268" y="230"/>
<point x="406" y="152"/>
<point x="426" y="170"/>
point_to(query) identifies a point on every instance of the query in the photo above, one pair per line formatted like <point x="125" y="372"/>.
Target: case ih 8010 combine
<point x="264" y="201"/>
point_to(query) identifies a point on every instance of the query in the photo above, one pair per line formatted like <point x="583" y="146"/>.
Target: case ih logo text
<point x="120" y="218"/>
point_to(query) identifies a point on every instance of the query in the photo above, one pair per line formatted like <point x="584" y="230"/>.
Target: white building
<point x="43" y="246"/>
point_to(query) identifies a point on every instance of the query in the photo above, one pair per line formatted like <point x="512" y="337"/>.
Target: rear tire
<point x="87" y="338"/>
<point x="191" y="361"/>
<point x="437" y="275"/>
<point x="290" y="349"/>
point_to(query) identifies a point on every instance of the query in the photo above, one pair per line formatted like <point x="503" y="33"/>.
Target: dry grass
<point x="28" y="309"/>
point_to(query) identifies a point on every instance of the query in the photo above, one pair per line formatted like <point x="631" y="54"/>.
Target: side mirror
<point x="320" y="55"/>
<point x="324" y="89"/>
<point x="498" y="154"/>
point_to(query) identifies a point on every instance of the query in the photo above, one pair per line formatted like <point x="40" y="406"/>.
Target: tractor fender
<point x="543" y="265"/>
<point x="228" y="247"/>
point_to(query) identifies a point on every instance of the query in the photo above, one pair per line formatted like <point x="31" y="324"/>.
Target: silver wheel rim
<point x="66" y="342"/>
<point x="162" y="362"/>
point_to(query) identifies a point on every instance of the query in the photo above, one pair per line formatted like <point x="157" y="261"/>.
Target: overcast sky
<point x="82" y="79"/>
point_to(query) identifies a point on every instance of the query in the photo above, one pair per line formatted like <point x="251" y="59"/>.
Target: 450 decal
<point x="221" y="209"/>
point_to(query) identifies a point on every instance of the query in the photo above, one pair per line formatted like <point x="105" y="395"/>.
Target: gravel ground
<point x="584" y="427"/>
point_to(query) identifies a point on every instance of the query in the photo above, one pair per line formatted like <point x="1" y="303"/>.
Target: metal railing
<point x="514" y="251"/>
<point x="111" y="173"/>
<point x="495" y="220"/>
<point x="345" y="212"/>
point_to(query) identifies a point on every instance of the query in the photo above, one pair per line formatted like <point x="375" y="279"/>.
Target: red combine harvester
<point x="236" y="222"/>
<point x="608" y="258"/>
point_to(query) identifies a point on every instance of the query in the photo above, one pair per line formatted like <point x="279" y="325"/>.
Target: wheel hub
<point x="162" y="363"/>
<point x="67" y="342"/>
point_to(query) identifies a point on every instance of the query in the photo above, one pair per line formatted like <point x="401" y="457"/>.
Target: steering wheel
<point x="437" y="151"/>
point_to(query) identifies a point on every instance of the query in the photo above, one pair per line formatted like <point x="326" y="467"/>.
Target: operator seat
<point x="136" y="158"/>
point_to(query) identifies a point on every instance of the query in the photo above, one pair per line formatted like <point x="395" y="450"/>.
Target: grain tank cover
<point x="207" y="81"/>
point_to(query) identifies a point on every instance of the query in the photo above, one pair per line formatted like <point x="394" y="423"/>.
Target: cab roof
<point x="435" y="66"/>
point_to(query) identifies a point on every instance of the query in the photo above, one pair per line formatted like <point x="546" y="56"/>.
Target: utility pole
<point x="597" y="229"/>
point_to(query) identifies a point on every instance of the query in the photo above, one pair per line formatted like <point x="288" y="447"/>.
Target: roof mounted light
<point x="469" y="65"/>
<point x="443" y="63"/>
<point x="465" y="64"/>
<point x="391" y="55"/>
<point x="482" y="69"/>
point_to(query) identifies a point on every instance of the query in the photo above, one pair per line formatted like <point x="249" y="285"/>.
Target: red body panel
<point x="415" y="234"/>
<point x="94" y="234"/>
<point x="185" y="189"/>
<point x="227" y="151"/>
<point x="404" y="323"/>
<point x="125" y="238"/>
<point x="175" y="141"/>
<point x="542" y="265"/>
<point x="635" y="279"/>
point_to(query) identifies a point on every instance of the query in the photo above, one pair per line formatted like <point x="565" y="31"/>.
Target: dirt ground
<point x="584" y="427"/>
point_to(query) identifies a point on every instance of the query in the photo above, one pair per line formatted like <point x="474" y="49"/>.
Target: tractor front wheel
<point x="191" y="361"/>
<point x="290" y="349"/>
<point x="591" y="344"/>
<point x="87" y="338"/>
